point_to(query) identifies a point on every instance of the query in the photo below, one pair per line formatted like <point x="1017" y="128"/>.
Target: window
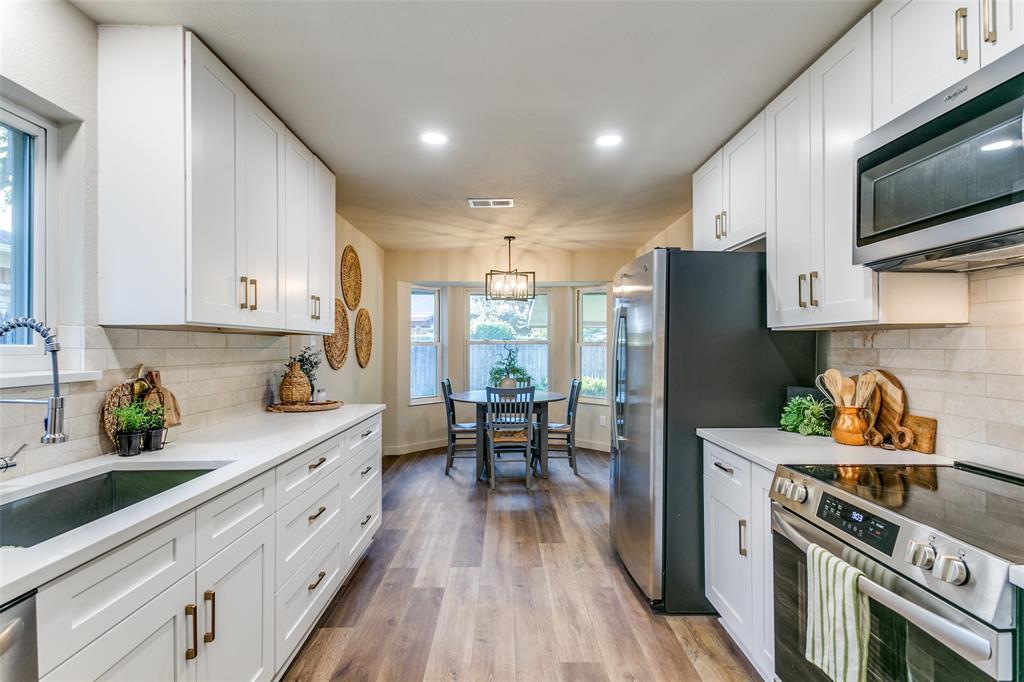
<point x="22" y="228"/>
<point x="425" y="344"/>
<point x="592" y="343"/>
<point x="495" y="327"/>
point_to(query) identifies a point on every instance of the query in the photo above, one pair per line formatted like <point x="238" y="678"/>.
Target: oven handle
<point x="957" y="638"/>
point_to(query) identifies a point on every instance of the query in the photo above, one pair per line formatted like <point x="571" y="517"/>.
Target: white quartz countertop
<point x="769" y="447"/>
<point x="240" y="449"/>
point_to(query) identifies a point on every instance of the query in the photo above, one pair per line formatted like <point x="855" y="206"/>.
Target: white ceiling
<point x="522" y="89"/>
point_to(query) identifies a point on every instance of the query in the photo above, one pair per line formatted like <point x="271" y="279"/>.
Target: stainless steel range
<point x="935" y="544"/>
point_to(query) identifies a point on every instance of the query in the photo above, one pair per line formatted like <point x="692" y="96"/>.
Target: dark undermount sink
<point x="37" y="518"/>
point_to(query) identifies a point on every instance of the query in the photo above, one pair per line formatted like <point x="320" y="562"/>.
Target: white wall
<point x="679" y="234"/>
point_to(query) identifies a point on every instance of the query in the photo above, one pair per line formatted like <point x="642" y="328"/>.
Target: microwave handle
<point x="957" y="638"/>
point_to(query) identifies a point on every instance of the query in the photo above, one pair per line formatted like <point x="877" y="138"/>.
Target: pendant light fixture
<point x="510" y="285"/>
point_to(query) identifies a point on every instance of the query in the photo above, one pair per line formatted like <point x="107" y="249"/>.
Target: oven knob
<point x="920" y="554"/>
<point x="782" y="485"/>
<point x="797" y="493"/>
<point x="950" y="569"/>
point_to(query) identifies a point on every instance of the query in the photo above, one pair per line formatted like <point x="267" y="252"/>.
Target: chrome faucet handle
<point x="8" y="462"/>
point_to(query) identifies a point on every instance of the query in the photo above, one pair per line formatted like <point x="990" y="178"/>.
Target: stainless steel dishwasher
<point x="18" y="657"/>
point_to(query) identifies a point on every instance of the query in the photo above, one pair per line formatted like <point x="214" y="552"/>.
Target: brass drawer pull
<point x="728" y="470"/>
<point x="959" y="22"/>
<point x="255" y="295"/>
<point x="321" y="510"/>
<point x="814" y="277"/>
<point x="988" y="24"/>
<point x="317" y="463"/>
<point x="313" y="585"/>
<point x="366" y="470"/>
<point x="743" y="531"/>
<point x="718" y="226"/>
<point x="245" y="287"/>
<point x="725" y="221"/>
<point x="366" y="520"/>
<point x="193" y="651"/>
<point x="800" y="290"/>
<point x="211" y="597"/>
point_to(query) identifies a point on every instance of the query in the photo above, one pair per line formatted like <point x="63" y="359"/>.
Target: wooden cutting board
<point x="924" y="429"/>
<point x="890" y="414"/>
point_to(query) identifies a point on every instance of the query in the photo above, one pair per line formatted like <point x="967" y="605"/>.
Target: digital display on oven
<point x="857" y="523"/>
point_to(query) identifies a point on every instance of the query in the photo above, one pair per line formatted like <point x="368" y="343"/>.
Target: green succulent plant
<point x="807" y="416"/>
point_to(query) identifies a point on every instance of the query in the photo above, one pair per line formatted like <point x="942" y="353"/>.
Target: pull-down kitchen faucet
<point x="53" y="425"/>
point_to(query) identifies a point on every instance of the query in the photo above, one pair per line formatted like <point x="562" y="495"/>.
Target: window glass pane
<point x="508" y="320"/>
<point x="533" y="357"/>
<point x="423" y="371"/>
<point x="423" y="326"/>
<point x="594" y="317"/>
<point x="16" y="151"/>
<point x="594" y="371"/>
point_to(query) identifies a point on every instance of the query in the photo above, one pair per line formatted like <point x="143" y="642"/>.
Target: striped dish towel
<point x="838" y="620"/>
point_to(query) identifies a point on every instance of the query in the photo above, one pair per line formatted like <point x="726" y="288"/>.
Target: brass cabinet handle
<point x="255" y="295"/>
<point x="318" y="307"/>
<point x="800" y="289"/>
<point x="193" y="651"/>
<point x="742" y="532"/>
<point x="321" y="510"/>
<point x="725" y="222"/>
<point x="988" y="20"/>
<point x="313" y="585"/>
<point x="718" y="226"/>
<point x="959" y="22"/>
<point x="245" y="286"/>
<point x="211" y="597"/>
<point x="366" y="470"/>
<point x="312" y="307"/>
<point x="814" y="276"/>
<point x="314" y="465"/>
<point x="728" y="470"/>
<point x="366" y="520"/>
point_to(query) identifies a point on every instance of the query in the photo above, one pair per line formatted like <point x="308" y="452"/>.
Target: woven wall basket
<point x="364" y="337"/>
<point x="336" y="345"/>
<point x="351" y="277"/>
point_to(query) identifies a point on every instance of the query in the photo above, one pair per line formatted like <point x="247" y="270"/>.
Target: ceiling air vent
<point x="490" y="203"/>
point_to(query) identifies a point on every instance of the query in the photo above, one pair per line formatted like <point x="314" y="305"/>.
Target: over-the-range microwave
<point x="941" y="187"/>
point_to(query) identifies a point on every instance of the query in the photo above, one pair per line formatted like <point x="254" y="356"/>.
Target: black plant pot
<point x="129" y="444"/>
<point x="155" y="438"/>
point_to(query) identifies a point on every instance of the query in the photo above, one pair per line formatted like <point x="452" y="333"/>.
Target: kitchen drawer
<point x="303" y="525"/>
<point x="362" y="472"/>
<point x="302" y="598"/>
<point x="304" y="471"/>
<point x="363" y="433"/>
<point x="361" y="525"/>
<point x="727" y="468"/>
<point x="228" y="517"/>
<point x="76" y="608"/>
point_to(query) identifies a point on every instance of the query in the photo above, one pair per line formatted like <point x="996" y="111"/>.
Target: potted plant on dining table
<point x="507" y="372"/>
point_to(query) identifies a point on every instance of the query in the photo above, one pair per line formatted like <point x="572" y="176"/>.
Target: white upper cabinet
<point x="321" y="261"/>
<point x="707" y="205"/>
<point x="743" y="217"/>
<point x="298" y="173"/>
<point x="192" y="191"/>
<point x="1002" y="28"/>
<point x="920" y="48"/>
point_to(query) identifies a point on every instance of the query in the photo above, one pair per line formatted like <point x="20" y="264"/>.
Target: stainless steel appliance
<point x="18" y="656"/>
<point x="691" y="348"/>
<point x="941" y="188"/>
<point x="935" y="544"/>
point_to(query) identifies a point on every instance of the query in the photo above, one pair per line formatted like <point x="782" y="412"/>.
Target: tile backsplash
<point x="215" y="377"/>
<point x="970" y="378"/>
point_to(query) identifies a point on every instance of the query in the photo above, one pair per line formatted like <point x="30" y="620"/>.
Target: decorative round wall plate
<point x="364" y="337"/>
<point x="351" y="277"/>
<point x="336" y="345"/>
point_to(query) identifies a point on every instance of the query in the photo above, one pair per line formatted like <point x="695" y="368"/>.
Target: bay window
<point x="496" y="327"/>
<point x="592" y="343"/>
<point x="425" y="344"/>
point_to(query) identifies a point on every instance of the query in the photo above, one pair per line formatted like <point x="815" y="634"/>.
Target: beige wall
<point x="970" y="378"/>
<point x="679" y="234"/>
<point x="48" y="64"/>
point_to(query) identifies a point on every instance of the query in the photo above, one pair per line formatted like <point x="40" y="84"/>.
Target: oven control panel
<point x="858" y="523"/>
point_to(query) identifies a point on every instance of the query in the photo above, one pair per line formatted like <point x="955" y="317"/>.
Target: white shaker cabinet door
<point x="1002" y="28"/>
<point x="322" y="255"/>
<point x="920" y="48"/>
<point x="215" y="103"/>
<point x="298" y="176"/>
<point x="839" y="292"/>
<point x="264" y="216"/>
<point x="788" y="236"/>
<point x="743" y="217"/>
<point x="727" y="558"/>
<point x="235" y="590"/>
<point x="762" y="644"/>
<point x="707" y="205"/>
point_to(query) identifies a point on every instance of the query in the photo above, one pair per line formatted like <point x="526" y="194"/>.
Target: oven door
<point x="915" y="636"/>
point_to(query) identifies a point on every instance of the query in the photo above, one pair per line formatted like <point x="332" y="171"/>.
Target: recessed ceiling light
<point x="434" y="137"/>
<point x="997" y="145"/>
<point x="608" y="140"/>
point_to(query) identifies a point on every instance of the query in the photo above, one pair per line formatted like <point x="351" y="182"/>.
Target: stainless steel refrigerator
<point x="691" y="349"/>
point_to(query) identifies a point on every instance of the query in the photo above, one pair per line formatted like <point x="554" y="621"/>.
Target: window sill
<point x="425" y="401"/>
<point x="593" y="401"/>
<point x="22" y="379"/>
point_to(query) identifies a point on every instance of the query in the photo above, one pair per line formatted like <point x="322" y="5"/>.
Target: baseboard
<point x="405" y="449"/>
<point x="599" y="445"/>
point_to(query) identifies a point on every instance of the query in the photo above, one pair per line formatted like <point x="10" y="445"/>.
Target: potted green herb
<point x="131" y="425"/>
<point x="309" y="361"/>
<point x="156" y="426"/>
<point x="506" y="372"/>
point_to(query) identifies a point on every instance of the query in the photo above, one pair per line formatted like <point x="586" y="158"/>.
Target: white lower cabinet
<point x="727" y="557"/>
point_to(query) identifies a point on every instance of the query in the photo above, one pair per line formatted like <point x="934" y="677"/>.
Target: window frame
<point x="436" y="343"/>
<point x="498" y="342"/>
<point x="28" y="358"/>
<point x="581" y="344"/>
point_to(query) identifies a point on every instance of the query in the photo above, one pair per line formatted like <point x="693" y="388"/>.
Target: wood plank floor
<point x="465" y="584"/>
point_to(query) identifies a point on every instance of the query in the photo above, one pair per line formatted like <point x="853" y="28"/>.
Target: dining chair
<point x="510" y="428"/>
<point x="563" y="435"/>
<point x="458" y="432"/>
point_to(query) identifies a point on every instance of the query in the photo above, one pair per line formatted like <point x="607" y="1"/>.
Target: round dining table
<point x="541" y="400"/>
